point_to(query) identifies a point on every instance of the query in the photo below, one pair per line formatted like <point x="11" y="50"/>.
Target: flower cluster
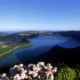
<point x="30" y="72"/>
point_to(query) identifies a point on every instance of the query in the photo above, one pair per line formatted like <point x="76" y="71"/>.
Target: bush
<point x="78" y="75"/>
<point x="77" y="68"/>
<point x="66" y="73"/>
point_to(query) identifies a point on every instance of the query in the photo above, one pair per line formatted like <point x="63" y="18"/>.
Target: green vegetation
<point x="9" y="43"/>
<point x="6" y="49"/>
<point x="68" y="73"/>
<point x="77" y="68"/>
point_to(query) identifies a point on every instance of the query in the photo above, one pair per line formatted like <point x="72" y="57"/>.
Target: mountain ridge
<point x="61" y="55"/>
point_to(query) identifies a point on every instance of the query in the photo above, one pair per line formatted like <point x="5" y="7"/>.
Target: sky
<point x="56" y="15"/>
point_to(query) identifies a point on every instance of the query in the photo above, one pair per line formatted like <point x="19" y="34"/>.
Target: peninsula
<point x="9" y="43"/>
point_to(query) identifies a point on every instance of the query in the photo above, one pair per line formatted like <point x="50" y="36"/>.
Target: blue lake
<point x="40" y="45"/>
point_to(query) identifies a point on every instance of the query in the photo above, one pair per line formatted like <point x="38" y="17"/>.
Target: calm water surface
<point x="40" y="45"/>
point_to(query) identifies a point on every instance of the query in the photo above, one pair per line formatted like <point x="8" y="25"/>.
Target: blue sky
<point x="39" y="15"/>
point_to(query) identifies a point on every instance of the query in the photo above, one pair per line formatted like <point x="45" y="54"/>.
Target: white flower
<point x="4" y="75"/>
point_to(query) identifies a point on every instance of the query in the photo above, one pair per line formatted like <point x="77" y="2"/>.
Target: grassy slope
<point x="7" y="49"/>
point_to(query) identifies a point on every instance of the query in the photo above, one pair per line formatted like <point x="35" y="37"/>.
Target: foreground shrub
<point x="77" y="68"/>
<point x="66" y="73"/>
<point x="78" y="75"/>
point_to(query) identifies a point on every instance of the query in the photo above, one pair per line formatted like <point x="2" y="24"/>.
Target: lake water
<point x="40" y="45"/>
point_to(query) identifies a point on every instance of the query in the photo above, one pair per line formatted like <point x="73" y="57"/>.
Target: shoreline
<point x="14" y="48"/>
